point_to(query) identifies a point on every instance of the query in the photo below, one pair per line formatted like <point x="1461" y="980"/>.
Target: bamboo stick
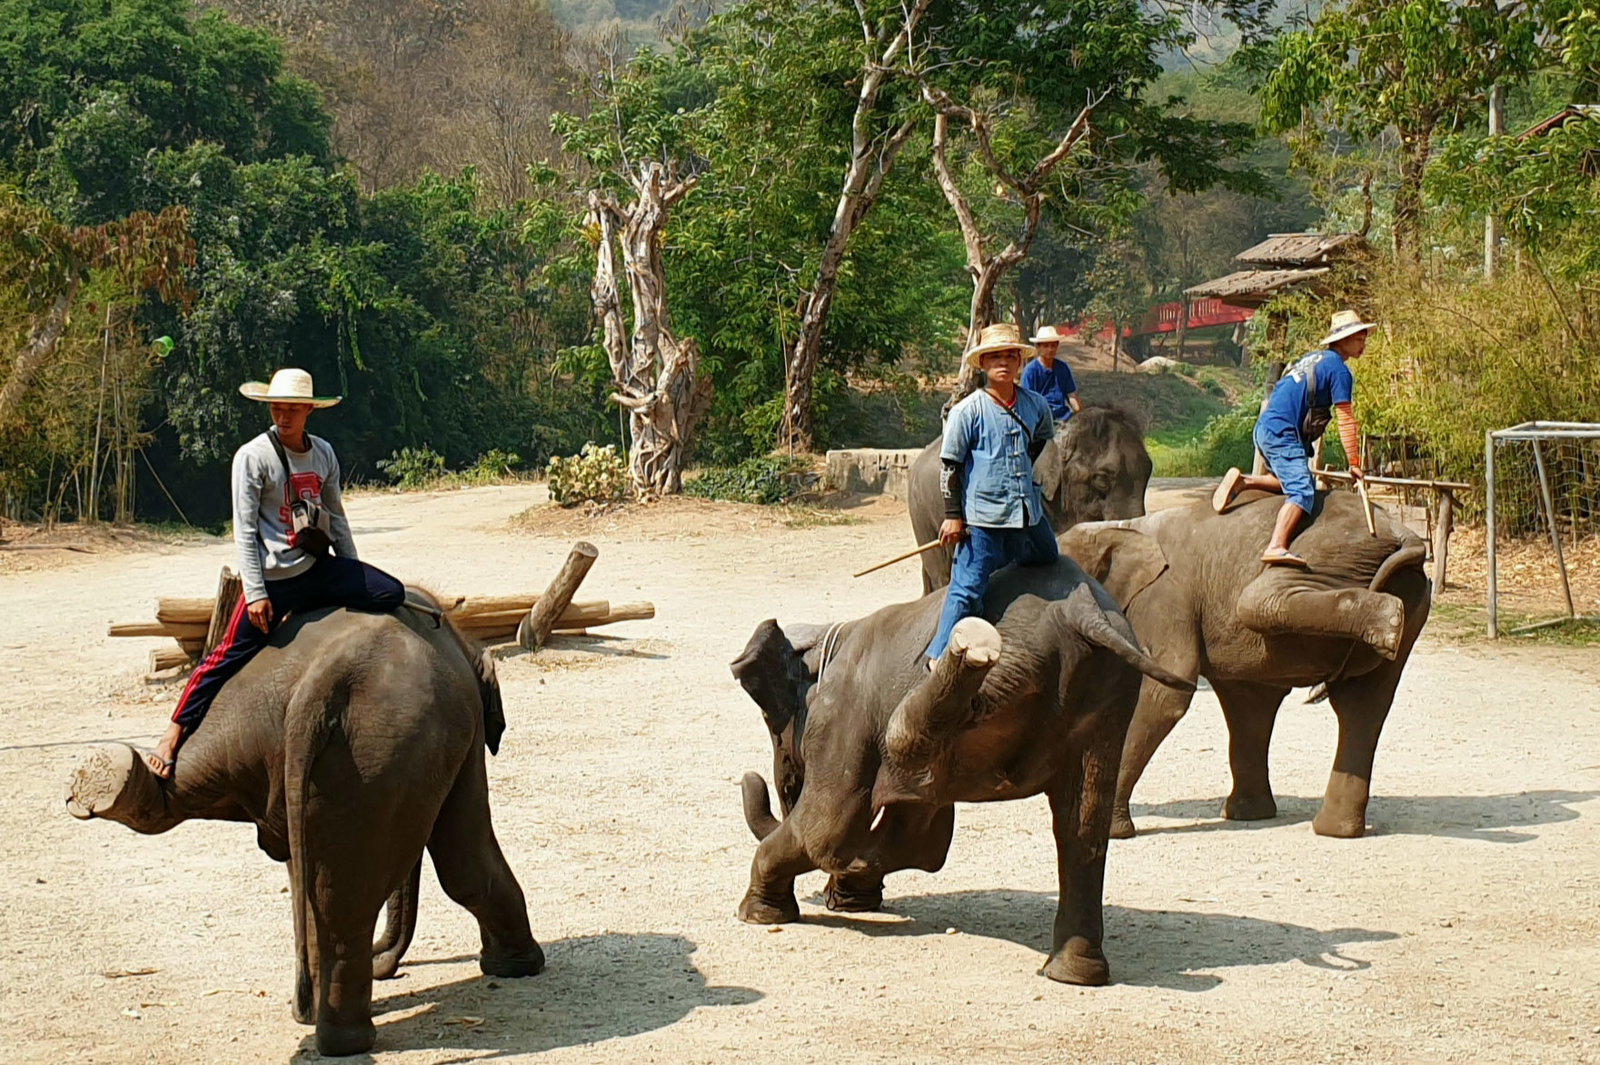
<point x="1405" y="482"/>
<point x="536" y="628"/>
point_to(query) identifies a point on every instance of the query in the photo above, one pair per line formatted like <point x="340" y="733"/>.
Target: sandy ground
<point x="1465" y="927"/>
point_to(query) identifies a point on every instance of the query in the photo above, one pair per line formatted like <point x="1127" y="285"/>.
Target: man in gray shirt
<point x="278" y="576"/>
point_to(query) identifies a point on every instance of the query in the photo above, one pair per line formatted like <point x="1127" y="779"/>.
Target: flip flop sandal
<point x="166" y="764"/>
<point x="1283" y="558"/>
<point x="1225" y="491"/>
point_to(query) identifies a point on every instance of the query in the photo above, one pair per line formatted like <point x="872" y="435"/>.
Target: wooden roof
<point x="1252" y="288"/>
<point x="1559" y="119"/>
<point x="1300" y="250"/>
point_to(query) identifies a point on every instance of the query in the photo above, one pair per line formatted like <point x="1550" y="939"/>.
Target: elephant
<point x="872" y="749"/>
<point x="1196" y="592"/>
<point x="1096" y="469"/>
<point x="352" y="741"/>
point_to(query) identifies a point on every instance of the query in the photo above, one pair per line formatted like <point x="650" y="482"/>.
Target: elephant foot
<point x="843" y="897"/>
<point x="1078" y="962"/>
<point x="1122" y="824"/>
<point x="342" y="1040"/>
<point x="755" y="909"/>
<point x="1249" y="807"/>
<point x="1384" y="633"/>
<point x="1339" y="826"/>
<point x="99" y="780"/>
<point x="512" y="965"/>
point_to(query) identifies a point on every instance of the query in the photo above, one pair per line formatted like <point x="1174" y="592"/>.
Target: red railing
<point x="1163" y="318"/>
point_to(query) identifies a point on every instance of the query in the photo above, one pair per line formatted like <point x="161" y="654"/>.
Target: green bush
<point x="492" y="466"/>
<point x="412" y="469"/>
<point x="769" y="479"/>
<point x="1224" y="441"/>
<point x="596" y="475"/>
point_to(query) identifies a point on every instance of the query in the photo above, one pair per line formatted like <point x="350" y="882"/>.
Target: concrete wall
<point x="870" y="471"/>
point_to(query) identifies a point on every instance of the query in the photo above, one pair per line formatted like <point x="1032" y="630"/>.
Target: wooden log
<point x="620" y="612"/>
<point x="184" y="611"/>
<point x="192" y="648"/>
<point x="1441" y="539"/>
<point x="535" y="629"/>
<point x="230" y="589"/>
<point x="169" y="658"/>
<point x="1401" y="482"/>
<point x="157" y="628"/>
<point x="575" y="616"/>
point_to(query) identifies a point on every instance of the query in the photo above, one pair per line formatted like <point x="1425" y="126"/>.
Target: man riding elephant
<point x="871" y="751"/>
<point x="287" y="518"/>
<point x="1195" y="590"/>
<point x="352" y="741"/>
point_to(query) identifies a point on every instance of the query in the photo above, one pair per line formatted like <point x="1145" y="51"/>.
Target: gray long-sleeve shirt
<point x="261" y="509"/>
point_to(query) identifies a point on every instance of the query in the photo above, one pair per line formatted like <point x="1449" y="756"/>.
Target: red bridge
<point x="1163" y="318"/>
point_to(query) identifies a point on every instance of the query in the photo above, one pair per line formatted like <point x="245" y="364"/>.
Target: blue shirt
<point x="1054" y="384"/>
<point x="999" y="490"/>
<point x="1321" y="379"/>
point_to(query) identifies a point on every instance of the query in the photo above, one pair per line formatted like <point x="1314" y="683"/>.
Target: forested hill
<point x="639" y="19"/>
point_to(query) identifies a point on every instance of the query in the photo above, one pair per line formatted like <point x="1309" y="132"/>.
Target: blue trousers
<point x="332" y="581"/>
<point x="1286" y="456"/>
<point x="977" y="557"/>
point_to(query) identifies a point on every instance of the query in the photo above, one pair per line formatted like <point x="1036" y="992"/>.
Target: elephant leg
<point x="338" y="911"/>
<point x="1361" y="705"/>
<point x="1158" y="713"/>
<point x="780" y="858"/>
<point x="399" y="928"/>
<point x="1080" y="808"/>
<point x="474" y="873"/>
<point x="1251" y="710"/>
<point x="1274" y="606"/>
<point x="908" y="837"/>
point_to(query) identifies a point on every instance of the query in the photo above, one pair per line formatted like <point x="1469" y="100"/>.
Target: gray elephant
<point x="1096" y="469"/>
<point x="352" y="742"/>
<point x="1192" y="584"/>
<point x="872" y="750"/>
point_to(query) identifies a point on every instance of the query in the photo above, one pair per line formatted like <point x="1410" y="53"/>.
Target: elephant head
<point x="1124" y="560"/>
<point x="774" y="675"/>
<point x="1096" y="469"/>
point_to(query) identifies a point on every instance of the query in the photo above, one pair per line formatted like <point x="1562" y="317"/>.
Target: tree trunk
<point x="1408" y="196"/>
<point x="657" y="375"/>
<point x="871" y="159"/>
<point x="41" y="345"/>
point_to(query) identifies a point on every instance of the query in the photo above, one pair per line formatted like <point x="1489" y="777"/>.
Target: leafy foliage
<point x="413" y="468"/>
<point x="595" y="475"/>
<point x="765" y="479"/>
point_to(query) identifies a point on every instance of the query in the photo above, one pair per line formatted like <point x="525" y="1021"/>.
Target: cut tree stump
<point x="536" y="628"/>
<point x="229" y="591"/>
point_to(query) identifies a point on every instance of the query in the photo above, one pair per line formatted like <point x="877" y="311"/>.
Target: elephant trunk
<point x="933" y="711"/>
<point x="114" y="783"/>
<point x="757" y="806"/>
<point x="399" y="928"/>
<point x="1083" y="615"/>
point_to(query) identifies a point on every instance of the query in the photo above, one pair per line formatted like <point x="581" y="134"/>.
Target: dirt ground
<point x="1464" y="928"/>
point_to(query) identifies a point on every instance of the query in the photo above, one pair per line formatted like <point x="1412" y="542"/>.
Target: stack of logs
<point x="199" y="624"/>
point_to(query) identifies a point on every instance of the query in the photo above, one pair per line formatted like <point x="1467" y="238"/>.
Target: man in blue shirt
<point x="1296" y="414"/>
<point x="1052" y="377"/>
<point x="994" y="512"/>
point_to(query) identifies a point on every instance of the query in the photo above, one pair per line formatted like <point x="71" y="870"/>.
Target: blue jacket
<point x="992" y="448"/>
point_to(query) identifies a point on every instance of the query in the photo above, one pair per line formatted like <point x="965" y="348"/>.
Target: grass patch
<point x="1467" y="623"/>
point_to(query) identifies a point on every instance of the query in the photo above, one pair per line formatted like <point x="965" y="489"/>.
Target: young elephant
<point x="871" y="749"/>
<point x="352" y="741"/>
<point x="1194" y="588"/>
<point x="1096" y="469"/>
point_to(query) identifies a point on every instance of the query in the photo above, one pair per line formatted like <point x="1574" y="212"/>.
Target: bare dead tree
<point x="985" y="265"/>
<point x="657" y="375"/>
<point x="872" y="156"/>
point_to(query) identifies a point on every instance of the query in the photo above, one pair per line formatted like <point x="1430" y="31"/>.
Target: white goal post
<point x="1533" y="496"/>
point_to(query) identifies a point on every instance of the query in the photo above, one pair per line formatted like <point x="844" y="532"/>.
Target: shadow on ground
<point x="1491" y="818"/>
<point x="1174" y="949"/>
<point x="594" y="989"/>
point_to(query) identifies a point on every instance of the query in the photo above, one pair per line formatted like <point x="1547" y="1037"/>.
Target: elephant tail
<point x="307" y="722"/>
<point x="1410" y="553"/>
<point x="1084" y="616"/>
<point x="758" y="805"/>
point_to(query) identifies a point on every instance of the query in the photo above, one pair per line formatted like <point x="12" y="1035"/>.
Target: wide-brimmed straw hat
<point x="287" y="386"/>
<point x="1002" y="336"/>
<point x="1048" y="335"/>
<point x="1345" y="324"/>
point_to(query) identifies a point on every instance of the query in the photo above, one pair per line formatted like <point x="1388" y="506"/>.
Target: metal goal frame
<point x="1535" y="433"/>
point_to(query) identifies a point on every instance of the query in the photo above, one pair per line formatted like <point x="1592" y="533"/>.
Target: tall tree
<point x="1365" y="66"/>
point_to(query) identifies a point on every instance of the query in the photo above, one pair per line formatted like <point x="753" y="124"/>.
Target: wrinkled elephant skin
<point x="1192" y="584"/>
<point x="352" y="742"/>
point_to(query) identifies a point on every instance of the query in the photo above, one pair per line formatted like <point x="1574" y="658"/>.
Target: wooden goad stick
<point x="913" y="553"/>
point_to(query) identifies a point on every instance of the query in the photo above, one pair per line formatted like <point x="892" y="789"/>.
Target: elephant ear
<point x="1047" y="471"/>
<point x="773" y="675"/>
<point x="494" y="711"/>
<point x="1124" y="561"/>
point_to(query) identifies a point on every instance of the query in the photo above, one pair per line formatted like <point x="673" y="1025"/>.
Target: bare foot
<point x="162" y="758"/>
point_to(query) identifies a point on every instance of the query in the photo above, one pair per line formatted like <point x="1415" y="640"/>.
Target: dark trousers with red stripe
<point x="331" y="582"/>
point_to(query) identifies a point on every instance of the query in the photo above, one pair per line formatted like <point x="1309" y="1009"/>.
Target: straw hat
<point x="1002" y="336"/>
<point x="1048" y="335"/>
<point x="288" y="386"/>
<point x="1345" y="323"/>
